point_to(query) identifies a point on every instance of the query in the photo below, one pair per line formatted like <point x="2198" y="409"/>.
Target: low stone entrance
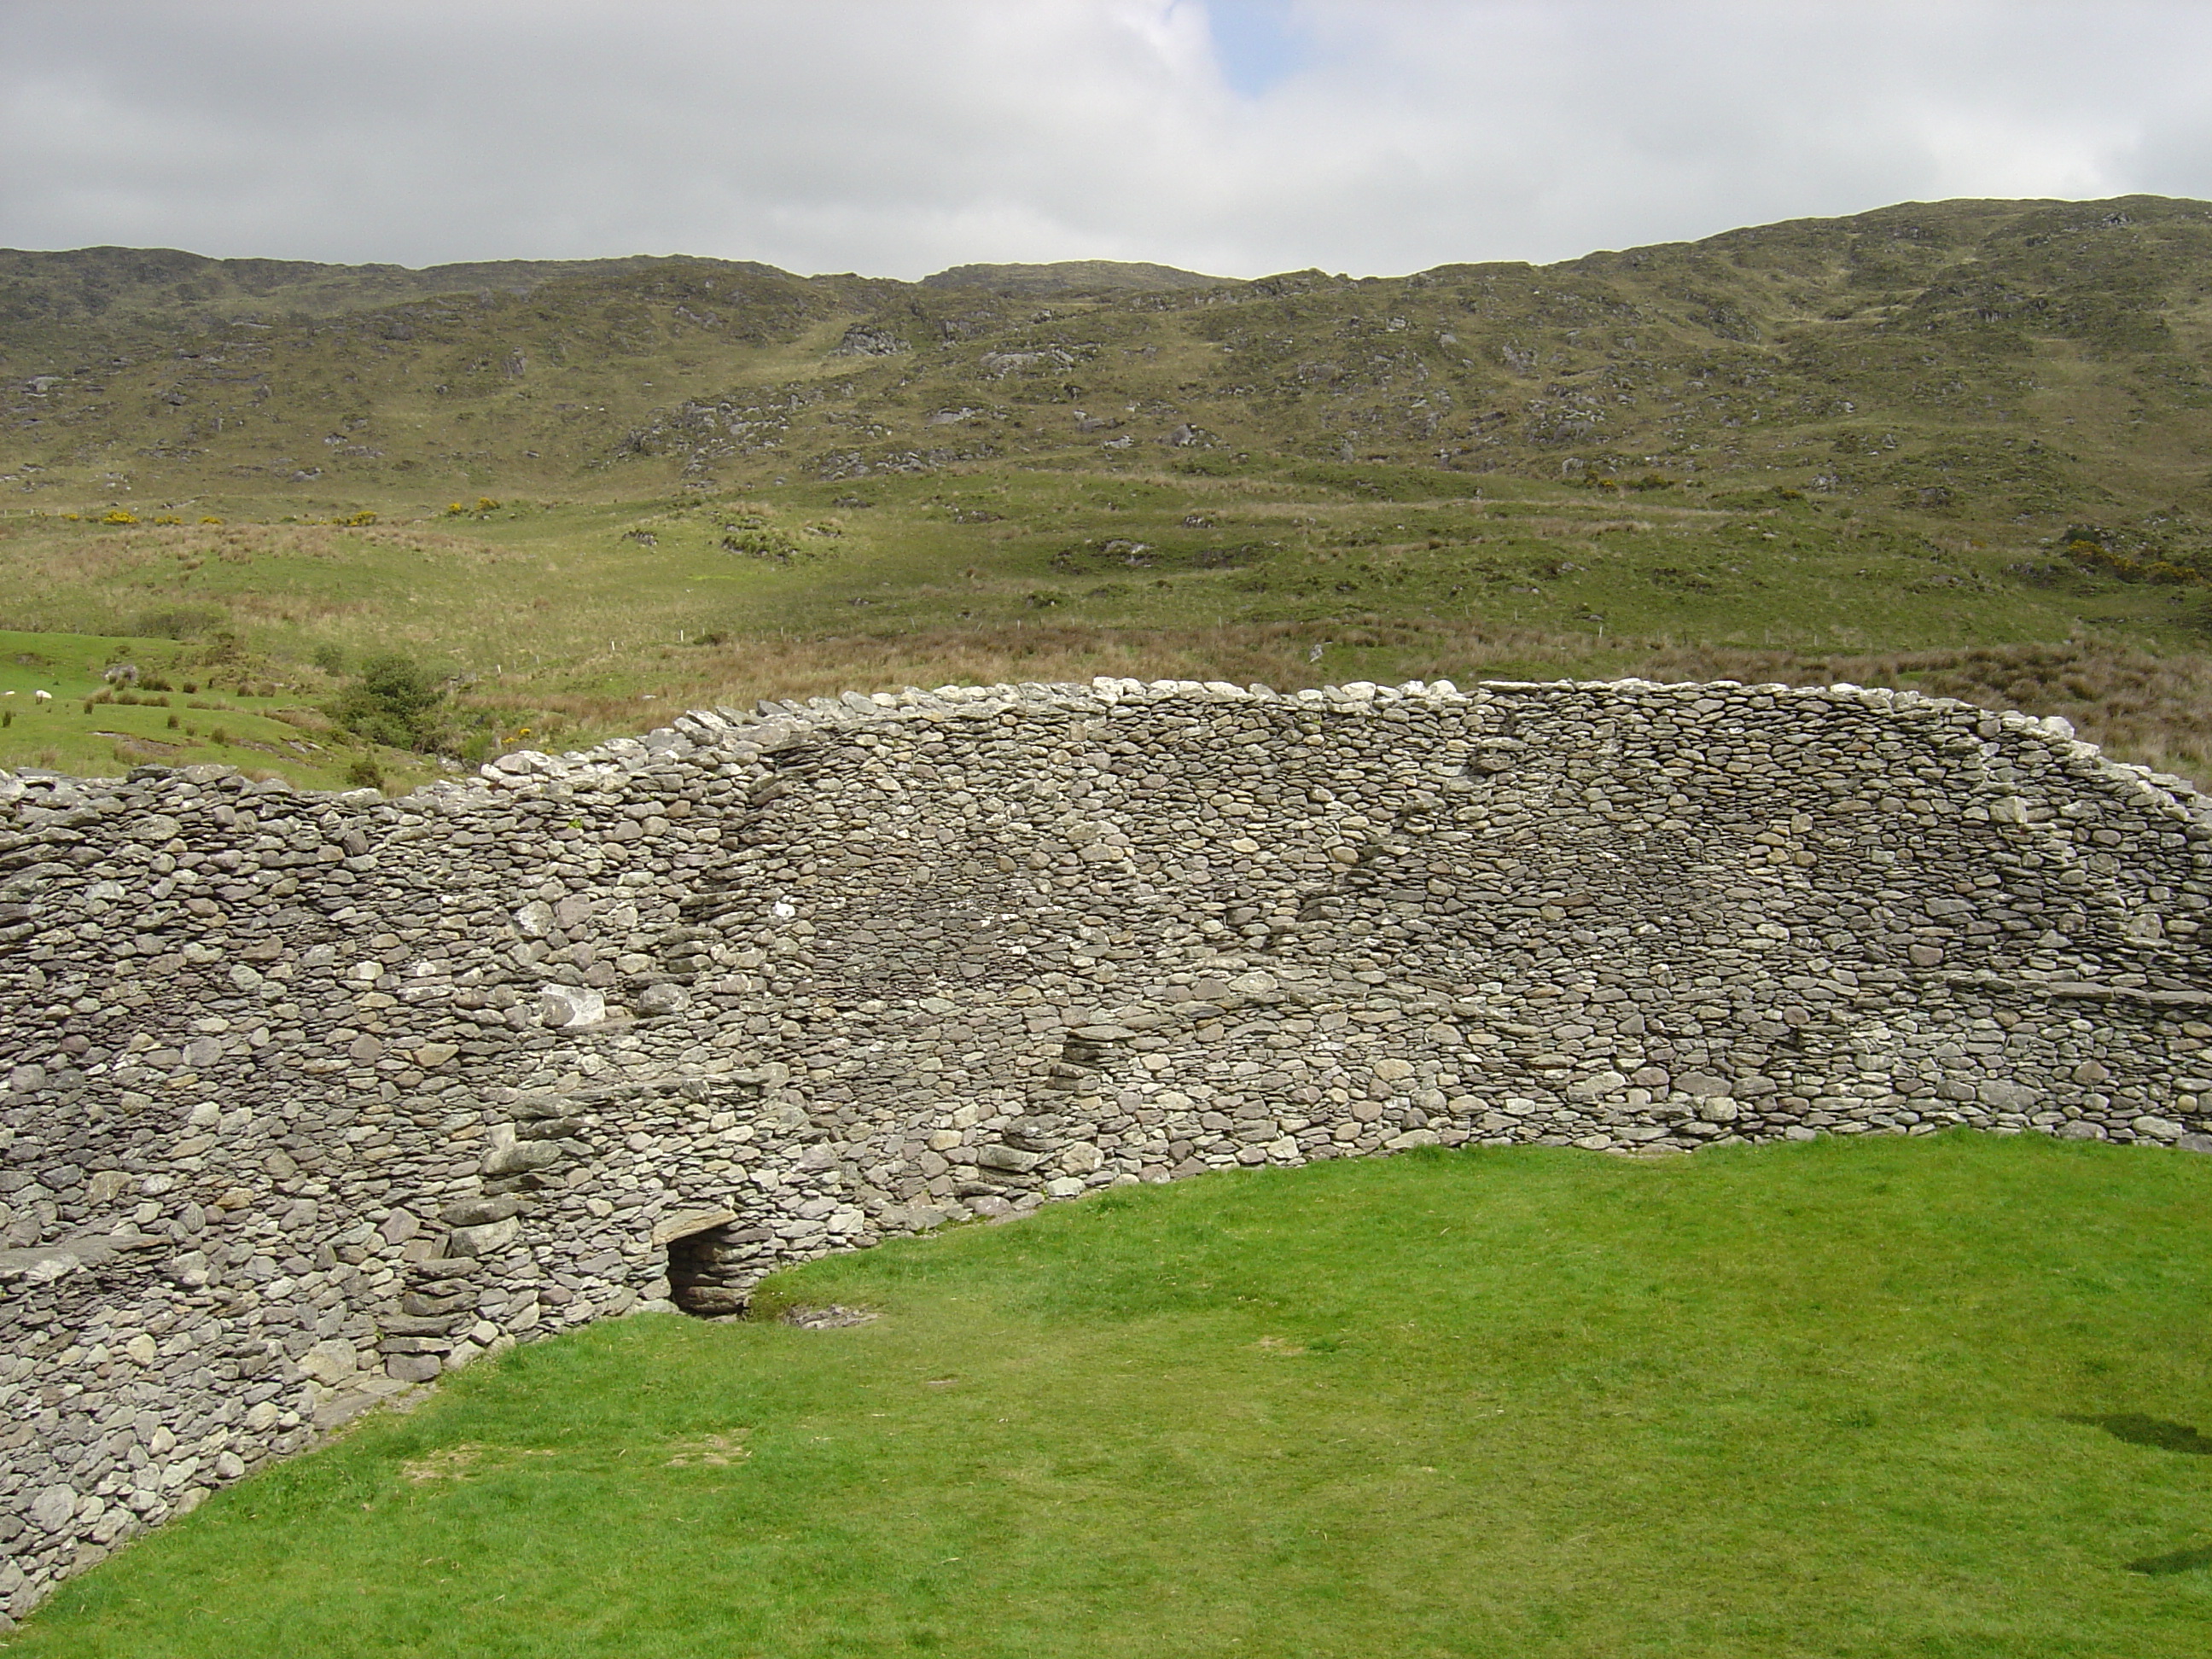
<point x="714" y="1262"/>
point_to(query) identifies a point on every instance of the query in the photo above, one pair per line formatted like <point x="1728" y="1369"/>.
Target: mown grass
<point x="1850" y="1398"/>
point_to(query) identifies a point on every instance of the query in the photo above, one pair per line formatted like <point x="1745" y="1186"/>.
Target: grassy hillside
<point x="1870" y="1398"/>
<point x="1979" y="360"/>
<point x="1964" y="444"/>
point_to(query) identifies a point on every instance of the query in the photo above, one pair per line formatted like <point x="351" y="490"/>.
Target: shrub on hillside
<point x="2098" y="555"/>
<point x="176" y="623"/>
<point x="395" y="701"/>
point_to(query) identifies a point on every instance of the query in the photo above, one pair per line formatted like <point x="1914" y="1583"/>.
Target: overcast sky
<point x="898" y="136"/>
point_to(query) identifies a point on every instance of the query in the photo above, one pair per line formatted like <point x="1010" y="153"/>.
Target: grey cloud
<point x="892" y="137"/>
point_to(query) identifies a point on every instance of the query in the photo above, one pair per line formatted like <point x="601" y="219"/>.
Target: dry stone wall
<point x="312" y="1098"/>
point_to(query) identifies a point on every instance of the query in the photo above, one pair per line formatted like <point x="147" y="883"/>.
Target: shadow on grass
<point x="2158" y="1434"/>
<point x="2154" y="1431"/>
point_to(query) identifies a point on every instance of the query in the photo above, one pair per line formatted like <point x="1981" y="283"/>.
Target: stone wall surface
<point x="313" y="1097"/>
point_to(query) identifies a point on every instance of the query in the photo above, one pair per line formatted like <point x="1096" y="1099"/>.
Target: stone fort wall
<point x="312" y="1097"/>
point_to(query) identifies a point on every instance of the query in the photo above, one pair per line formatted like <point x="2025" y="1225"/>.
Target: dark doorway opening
<point x="711" y="1273"/>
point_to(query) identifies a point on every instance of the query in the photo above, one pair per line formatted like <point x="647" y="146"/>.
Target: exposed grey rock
<point x="832" y="1316"/>
<point x="330" y="1362"/>
<point x="53" y="1508"/>
<point x="39" y="1267"/>
<point x="563" y="1005"/>
<point x="662" y="998"/>
<point x="474" y="1241"/>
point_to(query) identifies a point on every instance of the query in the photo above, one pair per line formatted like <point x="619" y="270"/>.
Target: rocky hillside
<point x="1977" y="360"/>
<point x="1073" y="276"/>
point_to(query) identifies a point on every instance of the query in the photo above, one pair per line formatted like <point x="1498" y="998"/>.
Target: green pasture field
<point x="89" y="729"/>
<point x="1852" y="1399"/>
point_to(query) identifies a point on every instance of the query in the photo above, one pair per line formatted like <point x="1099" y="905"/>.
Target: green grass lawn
<point x="1928" y="1397"/>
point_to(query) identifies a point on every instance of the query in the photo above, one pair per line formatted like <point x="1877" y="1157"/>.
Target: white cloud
<point x="897" y="136"/>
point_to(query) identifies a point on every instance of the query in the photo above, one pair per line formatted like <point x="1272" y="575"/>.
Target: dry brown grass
<point x="240" y="543"/>
<point x="2152" y="709"/>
